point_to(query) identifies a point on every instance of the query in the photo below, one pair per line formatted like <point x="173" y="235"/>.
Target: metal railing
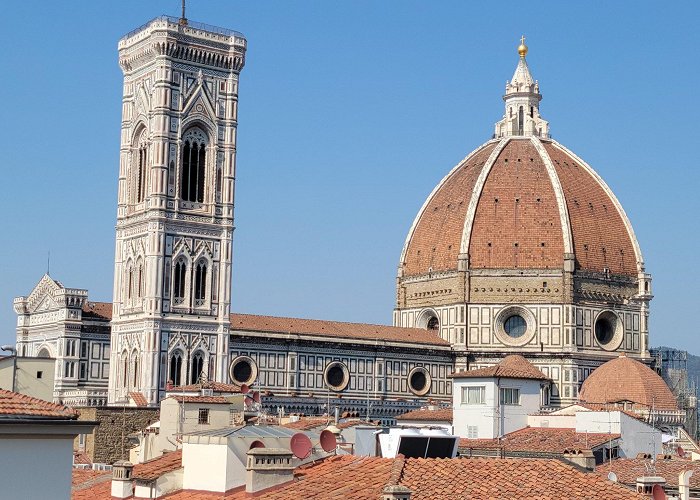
<point x="175" y="20"/>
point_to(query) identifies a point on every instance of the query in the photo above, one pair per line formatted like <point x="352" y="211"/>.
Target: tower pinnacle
<point x="522" y="99"/>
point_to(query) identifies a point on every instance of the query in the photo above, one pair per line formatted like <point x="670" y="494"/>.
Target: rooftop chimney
<point x="684" y="484"/>
<point x="396" y="492"/>
<point x="582" y="458"/>
<point x="646" y="484"/>
<point x="268" y="467"/>
<point x="122" y="485"/>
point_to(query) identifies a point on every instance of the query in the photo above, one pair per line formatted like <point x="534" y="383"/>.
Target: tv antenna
<point x="183" y="19"/>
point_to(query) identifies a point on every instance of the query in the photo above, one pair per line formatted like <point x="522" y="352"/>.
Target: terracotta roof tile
<point x="97" y="310"/>
<point x="439" y="415"/>
<point x="199" y="399"/>
<point x="153" y="469"/>
<point x="626" y="379"/>
<point x="629" y="469"/>
<point x="15" y="405"/>
<point x="338" y="329"/>
<point x="306" y="424"/>
<point x="138" y="399"/>
<point x="513" y="366"/>
<point x="541" y="440"/>
<point x="89" y="484"/>
<point x="214" y="386"/>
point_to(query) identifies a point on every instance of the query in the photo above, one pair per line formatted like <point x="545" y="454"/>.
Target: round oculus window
<point x="419" y="381"/>
<point x="337" y="376"/>
<point x="433" y="324"/>
<point x="608" y="330"/>
<point x="243" y="370"/>
<point x="515" y="326"/>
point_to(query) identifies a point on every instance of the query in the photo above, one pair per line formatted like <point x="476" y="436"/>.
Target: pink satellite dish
<point x="680" y="451"/>
<point x="248" y="402"/>
<point x="244" y="388"/>
<point x="256" y="444"/>
<point x="256" y="396"/>
<point x="300" y="444"/>
<point x="328" y="441"/>
<point x="657" y="492"/>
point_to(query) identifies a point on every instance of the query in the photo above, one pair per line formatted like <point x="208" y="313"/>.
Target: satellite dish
<point x="256" y="396"/>
<point x="248" y="402"/>
<point x="300" y="444"/>
<point x="612" y="476"/>
<point x="328" y="441"/>
<point x="256" y="444"/>
<point x="244" y="388"/>
<point x="680" y="451"/>
<point x="657" y="492"/>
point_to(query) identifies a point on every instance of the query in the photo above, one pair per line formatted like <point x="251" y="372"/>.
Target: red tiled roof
<point x="541" y="440"/>
<point x="344" y="477"/>
<point x="153" y="469"/>
<point x="15" y="405"/>
<point x="138" y="398"/>
<point x="199" y="399"/>
<point x="89" y="484"/>
<point x="338" y="329"/>
<point x="439" y="415"/>
<point x="215" y="386"/>
<point x="629" y="469"/>
<point x="97" y="310"/>
<point x="626" y="379"/>
<point x="306" y="424"/>
<point x="513" y="366"/>
<point x="80" y="457"/>
<point x="505" y="478"/>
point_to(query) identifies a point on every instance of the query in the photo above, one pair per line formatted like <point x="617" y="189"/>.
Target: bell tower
<point x="172" y="270"/>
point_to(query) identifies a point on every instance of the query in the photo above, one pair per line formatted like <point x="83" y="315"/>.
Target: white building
<point x="491" y="402"/>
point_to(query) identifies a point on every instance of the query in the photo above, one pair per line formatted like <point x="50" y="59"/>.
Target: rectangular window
<point x="510" y="396"/>
<point x="83" y="370"/>
<point x="39" y="374"/>
<point x="566" y="375"/>
<point x="473" y="431"/>
<point x="83" y="349"/>
<point x="474" y="395"/>
<point x="233" y="417"/>
<point x="203" y="416"/>
<point x="379" y="369"/>
<point x="66" y="372"/>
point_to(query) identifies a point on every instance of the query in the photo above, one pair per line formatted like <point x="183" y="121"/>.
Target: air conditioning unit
<point x="207" y="392"/>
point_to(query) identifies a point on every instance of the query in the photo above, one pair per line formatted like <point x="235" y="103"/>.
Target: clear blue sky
<point x="350" y="113"/>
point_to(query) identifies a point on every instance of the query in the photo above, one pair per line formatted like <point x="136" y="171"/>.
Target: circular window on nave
<point x="243" y="370"/>
<point x="336" y="376"/>
<point x="515" y="326"/>
<point x="608" y="330"/>
<point x="419" y="381"/>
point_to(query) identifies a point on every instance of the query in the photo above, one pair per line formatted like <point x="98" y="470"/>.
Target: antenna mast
<point x="183" y="19"/>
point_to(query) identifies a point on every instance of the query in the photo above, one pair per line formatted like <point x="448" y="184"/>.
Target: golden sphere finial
<point x="522" y="48"/>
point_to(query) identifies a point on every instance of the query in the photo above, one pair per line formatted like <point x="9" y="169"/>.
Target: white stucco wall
<point x="637" y="436"/>
<point x="492" y="419"/>
<point x="555" y="421"/>
<point x="211" y="467"/>
<point x="36" y="468"/>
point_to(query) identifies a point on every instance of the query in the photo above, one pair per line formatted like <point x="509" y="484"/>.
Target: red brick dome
<point x="521" y="203"/>
<point x="625" y="379"/>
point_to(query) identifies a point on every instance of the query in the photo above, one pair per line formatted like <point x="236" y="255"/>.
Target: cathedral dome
<point x="625" y="379"/>
<point x="521" y="201"/>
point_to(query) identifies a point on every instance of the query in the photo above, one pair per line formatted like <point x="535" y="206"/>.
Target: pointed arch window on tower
<point x="179" y="275"/>
<point x="175" y="367"/>
<point x="135" y="370"/>
<point x="196" y="368"/>
<point x="141" y="167"/>
<point x="130" y="284"/>
<point x="125" y="369"/>
<point x="200" y="283"/>
<point x="139" y="290"/>
<point x="193" y="166"/>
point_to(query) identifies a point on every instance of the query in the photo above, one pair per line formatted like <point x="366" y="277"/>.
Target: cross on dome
<point x="522" y="102"/>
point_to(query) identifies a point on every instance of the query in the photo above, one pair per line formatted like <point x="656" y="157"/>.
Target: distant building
<point x="34" y="377"/>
